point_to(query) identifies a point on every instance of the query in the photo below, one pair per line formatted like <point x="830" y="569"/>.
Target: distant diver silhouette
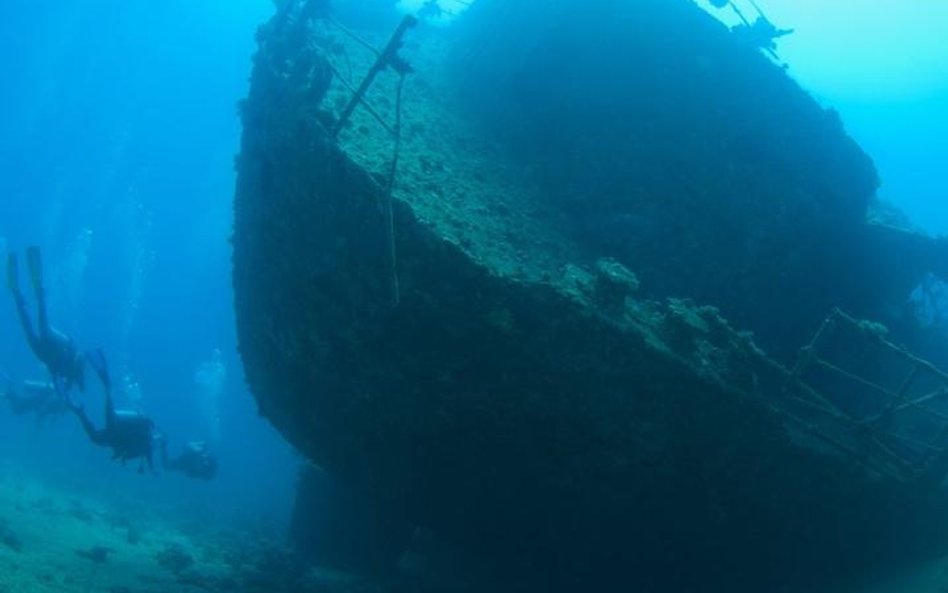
<point x="195" y="460"/>
<point x="761" y="33"/>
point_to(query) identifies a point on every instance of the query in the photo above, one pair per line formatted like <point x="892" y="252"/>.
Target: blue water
<point x="118" y="129"/>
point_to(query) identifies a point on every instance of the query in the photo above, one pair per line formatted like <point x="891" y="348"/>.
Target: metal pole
<point x="387" y="57"/>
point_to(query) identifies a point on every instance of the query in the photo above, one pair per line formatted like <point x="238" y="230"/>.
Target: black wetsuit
<point x="129" y="434"/>
<point x="53" y="348"/>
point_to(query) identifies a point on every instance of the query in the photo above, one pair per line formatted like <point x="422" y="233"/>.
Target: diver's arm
<point x="97" y="360"/>
<point x="99" y="437"/>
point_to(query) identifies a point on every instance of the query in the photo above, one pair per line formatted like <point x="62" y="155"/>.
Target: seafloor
<point x="55" y="539"/>
<point x="63" y="540"/>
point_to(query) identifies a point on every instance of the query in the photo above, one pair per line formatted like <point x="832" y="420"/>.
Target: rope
<point x="365" y="104"/>
<point x="386" y="58"/>
<point x="853" y="377"/>
<point x="355" y="36"/>
<point x="938" y="393"/>
<point x="389" y="187"/>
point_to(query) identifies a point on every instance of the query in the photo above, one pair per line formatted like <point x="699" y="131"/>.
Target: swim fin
<point x="34" y="261"/>
<point x="97" y="361"/>
<point x="13" y="272"/>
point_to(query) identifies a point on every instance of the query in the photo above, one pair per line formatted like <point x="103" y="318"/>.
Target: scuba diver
<point x="195" y="460"/>
<point x="32" y="397"/>
<point x="761" y="33"/>
<point x="53" y="348"/>
<point x="129" y="434"/>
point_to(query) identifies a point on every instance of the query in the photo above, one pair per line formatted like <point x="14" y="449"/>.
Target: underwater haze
<point x="885" y="69"/>
<point x="119" y="129"/>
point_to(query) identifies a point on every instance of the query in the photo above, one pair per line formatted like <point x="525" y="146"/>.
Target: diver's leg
<point x="34" y="261"/>
<point x="99" y="437"/>
<point x="63" y="388"/>
<point x="21" y="309"/>
<point x="32" y="337"/>
<point x="63" y="393"/>
<point x="97" y="361"/>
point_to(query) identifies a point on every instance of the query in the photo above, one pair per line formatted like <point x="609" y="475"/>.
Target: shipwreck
<point x="592" y="290"/>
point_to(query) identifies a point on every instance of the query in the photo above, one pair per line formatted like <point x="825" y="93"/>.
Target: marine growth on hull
<point x="580" y="288"/>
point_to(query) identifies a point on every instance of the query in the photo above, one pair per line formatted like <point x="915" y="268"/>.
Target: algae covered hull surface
<point x="525" y="340"/>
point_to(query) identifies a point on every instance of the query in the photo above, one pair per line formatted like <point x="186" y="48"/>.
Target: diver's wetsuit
<point x="195" y="461"/>
<point x="54" y="349"/>
<point x="129" y="434"/>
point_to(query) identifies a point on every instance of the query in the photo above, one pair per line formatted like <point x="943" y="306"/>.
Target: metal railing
<point x="895" y="422"/>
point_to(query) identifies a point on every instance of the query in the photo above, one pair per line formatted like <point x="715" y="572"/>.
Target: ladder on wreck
<point x="889" y="408"/>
